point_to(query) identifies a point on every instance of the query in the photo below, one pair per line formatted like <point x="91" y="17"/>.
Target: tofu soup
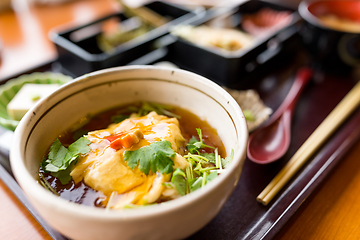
<point x="135" y="155"/>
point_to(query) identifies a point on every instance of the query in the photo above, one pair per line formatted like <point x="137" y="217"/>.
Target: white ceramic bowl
<point x="109" y="88"/>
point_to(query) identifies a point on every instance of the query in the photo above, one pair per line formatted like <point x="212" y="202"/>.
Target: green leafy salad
<point x="179" y="165"/>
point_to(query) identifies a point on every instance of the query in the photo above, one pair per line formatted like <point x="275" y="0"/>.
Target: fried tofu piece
<point x="105" y="170"/>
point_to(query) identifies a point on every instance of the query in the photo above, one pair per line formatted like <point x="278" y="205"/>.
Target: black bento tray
<point x="80" y="56"/>
<point x="229" y="69"/>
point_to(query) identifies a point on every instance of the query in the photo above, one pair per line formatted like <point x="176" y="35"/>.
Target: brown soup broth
<point x="83" y="194"/>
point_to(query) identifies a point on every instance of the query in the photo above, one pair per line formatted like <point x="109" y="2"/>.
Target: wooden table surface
<point x="331" y="212"/>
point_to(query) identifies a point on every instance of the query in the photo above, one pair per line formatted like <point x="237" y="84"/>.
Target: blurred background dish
<point x="12" y="87"/>
<point x="331" y="33"/>
<point x="222" y="27"/>
<point x="116" y="39"/>
<point x="5" y="5"/>
<point x="265" y="20"/>
<point x="1" y="49"/>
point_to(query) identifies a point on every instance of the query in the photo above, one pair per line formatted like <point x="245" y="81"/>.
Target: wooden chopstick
<point x="337" y="116"/>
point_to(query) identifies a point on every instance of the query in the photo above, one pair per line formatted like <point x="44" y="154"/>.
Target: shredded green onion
<point x="46" y="184"/>
<point x="110" y="200"/>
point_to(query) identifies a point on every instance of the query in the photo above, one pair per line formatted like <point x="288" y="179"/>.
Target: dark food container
<point x="231" y="70"/>
<point x="80" y="55"/>
<point x="334" y="51"/>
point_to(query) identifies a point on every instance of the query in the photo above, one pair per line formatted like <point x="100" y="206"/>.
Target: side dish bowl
<point x="11" y="87"/>
<point x="331" y="33"/>
<point x="104" y="89"/>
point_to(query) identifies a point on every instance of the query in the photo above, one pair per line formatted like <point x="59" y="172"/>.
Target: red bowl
<point x="345" y="9"/>
<point x="335" y="49"/>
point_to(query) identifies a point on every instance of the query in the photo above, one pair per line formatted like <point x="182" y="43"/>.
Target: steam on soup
<point x="135" y="155"/>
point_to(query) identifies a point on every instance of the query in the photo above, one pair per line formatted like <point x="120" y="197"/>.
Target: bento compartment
<point x="232" y="42"/>
<point x="88" y="47"/>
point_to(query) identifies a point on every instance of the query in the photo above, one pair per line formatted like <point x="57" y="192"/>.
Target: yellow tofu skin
<point x="105" y="170"/>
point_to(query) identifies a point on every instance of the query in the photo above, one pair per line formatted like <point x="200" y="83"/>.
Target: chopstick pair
<point x="337" y="116"/>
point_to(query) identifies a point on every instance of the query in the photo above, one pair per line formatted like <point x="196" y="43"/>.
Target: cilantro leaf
<point x="178" y="179"/>
<point x="63" y="176"/>
<point x="191" y="145"/>
<point x="57" y="154"/>
<point x="81" y="146"/>
<point x="51" y="168"/>
<point x="60" y="158"/>
<point x="158" y="156"/>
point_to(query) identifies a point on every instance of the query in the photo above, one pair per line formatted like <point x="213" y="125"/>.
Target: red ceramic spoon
<point x="271" y="141"/>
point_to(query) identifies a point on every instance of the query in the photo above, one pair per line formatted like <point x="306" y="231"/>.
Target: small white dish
<point x="12" y="87"/>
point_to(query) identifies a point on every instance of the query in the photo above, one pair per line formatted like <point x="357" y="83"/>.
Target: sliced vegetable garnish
<point x="125" y="139"/>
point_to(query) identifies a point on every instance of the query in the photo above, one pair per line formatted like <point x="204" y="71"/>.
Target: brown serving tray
<point x="242" y="217"/>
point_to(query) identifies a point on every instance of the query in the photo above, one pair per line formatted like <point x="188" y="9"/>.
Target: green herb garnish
<point x="249" y="115"/>
<point x="35" y="97"/>
<point x="158" y="156"/>
<point x="209" y="156"/>
<point x="195" y="145"/>
<point x="79" y="133"/>
<point x="204" y="167"/>
<point x="195" y="183"/>
<point x="160" y="109"/>
<point x="60" y="158"/>
<point x="143" y="110"/>
<point x="110" y="200"/>
<point x="212" y="176"/>
<point x="200" y="172"/>
<point x="201" y="181"/>
<point x="178" y="179"/>
<point x="46" y="184"/>
<point x="226" y="161"/>
<point x="119" y="118"/>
